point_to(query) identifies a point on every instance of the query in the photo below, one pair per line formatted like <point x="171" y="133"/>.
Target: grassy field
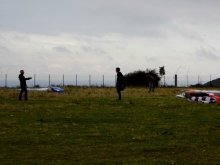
<point x="90" y="126"/>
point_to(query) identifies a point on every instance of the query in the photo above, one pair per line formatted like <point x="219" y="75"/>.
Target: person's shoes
<point x="26" y="99"/>
<point x="20" y="100"/>
<point x="119" y="99"/>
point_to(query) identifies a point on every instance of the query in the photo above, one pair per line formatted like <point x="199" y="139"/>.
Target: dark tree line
<point x="141" y="78"/>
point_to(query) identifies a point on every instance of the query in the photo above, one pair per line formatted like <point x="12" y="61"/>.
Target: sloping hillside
<point x="215" y="83"/>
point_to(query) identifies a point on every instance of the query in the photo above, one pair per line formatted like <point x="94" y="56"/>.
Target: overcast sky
<point x="96" y="36"/>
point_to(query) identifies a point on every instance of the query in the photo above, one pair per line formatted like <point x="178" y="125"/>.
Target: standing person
<point x="23" y="84"/>
<point x="120" y="82"/>
<point x="151" y="83"/>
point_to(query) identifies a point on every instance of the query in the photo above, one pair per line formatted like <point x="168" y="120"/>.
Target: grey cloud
<point x="21" y="37"/>
<point x="61" y="49"/>
<point x="3" y="48"/>
<point x="100" y="51"/>
<point x="151" y="59"/>
<point x="91" y="40"/>
<point x="77" y="53"/>
<point x="89" y="49"/>
<point x="206" y="54"/>
<point x="110" y="58"/>
<point x="187" y="30"/>
<point x="147" y="18"/>
<point x="86" y="48"/>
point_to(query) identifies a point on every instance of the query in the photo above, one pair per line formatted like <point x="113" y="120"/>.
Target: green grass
<point x="89" y="126"/>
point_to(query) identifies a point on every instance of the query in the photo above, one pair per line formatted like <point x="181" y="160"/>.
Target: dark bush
<point x="140" y="78"/>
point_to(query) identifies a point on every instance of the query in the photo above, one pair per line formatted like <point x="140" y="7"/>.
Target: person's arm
<point x="28" y="78"/>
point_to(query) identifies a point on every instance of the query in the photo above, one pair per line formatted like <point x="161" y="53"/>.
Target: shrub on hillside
<point x="140" y="78"/>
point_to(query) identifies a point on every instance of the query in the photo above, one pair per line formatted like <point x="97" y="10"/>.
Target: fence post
<point x="49" y="79"/>
<point x="210" y="82"/>
<point x="187" y="80"/>
<point x="90" y="80"/>
<point x="103" y="80"/>
<point x="164" y="81"/>
<point x="1" y="72"/>
<point x="76" y="80"/>
<point x="34" y="80"/>
<point x="175" y="80"/>
<point x="5" y="80"/>
<point x="63" y="80"/>
<point x="115" y="80"/>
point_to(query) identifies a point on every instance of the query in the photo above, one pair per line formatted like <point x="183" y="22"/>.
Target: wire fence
<point x="191" y="80"/>
<point x="45" y="80"/>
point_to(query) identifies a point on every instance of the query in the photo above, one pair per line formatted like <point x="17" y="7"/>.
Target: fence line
<point x="47" y="79"/>
<point x="189" y="80"/>
<point x="11" y="80"/>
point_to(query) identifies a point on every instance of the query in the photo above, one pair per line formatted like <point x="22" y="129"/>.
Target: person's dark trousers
<point x="119" y="92"/>
<point x="25" y="93"/>
<point x="151" y="87"/>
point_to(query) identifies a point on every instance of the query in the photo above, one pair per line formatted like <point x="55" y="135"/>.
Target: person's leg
<point x="149" y="87"/>
<point x="119" y="93"/>
<point x="20" y="95"/>
<point x="25" y="94"/>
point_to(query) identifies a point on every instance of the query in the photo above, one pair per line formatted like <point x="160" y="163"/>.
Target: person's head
<point x="117" y="69"/>
<point x="22" y="71"/>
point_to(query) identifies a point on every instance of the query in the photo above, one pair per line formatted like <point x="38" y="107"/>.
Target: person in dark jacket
<point x="23" y="84"/>
<point x="151" y="83"/>
<point x="120" y="82"/>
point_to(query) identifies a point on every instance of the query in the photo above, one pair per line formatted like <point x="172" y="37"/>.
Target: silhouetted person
<point x="23" y="84"/>
<point x="120" y="83"/>
<point x="151" y="83"/>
